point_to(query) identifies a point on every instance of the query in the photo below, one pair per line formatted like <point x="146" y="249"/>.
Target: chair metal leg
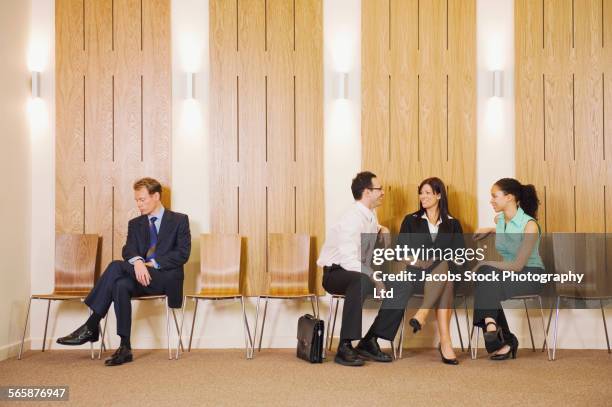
<point x="393" y="349"/>
<point x="547" y="330"/>
<point x="91" y="347"/>
<point x="180" y="331"/>
<point x="46" y="325"/>
<point x="556" y="328"/>
<point x="195" y="310"/>
<point x="474" y="352"/>
<point x="314" y="312"/>
<point x="168" y="328"/>
<point x="25" y="328"/>
<point x="544" y="327"/>
<point x="529" y="324"/>
<point x="247" y="332"/>
<point x="331" y="339"/>
<point x="467" y="323"/>
<point x="603" y="317"/>
<point x="458" y="328"/>
<point x="263" y="324"/>
<point x="255" y="332"/>
<point x="316" y="298"/>
<point x="327" y="330"/>
<point x="103" y="335"/>
<point x="177" y="329"/>
<point x="400" y="345"/>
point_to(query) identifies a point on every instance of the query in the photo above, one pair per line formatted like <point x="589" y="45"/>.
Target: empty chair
<point x="75" y="268"/>
<point x="288" y="272"/>
<point x="581" y="253"/>
<point x="219" y="278"/>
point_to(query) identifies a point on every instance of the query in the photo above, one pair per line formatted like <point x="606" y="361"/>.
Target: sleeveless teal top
<point x="509" y="238"/>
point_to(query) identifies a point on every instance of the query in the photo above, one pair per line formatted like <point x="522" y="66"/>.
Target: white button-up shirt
<point x="343" y="243"/>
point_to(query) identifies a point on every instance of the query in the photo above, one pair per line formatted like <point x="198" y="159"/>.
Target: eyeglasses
<point x="377" y="189"/>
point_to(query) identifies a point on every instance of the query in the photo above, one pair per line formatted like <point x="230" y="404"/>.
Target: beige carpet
<point x="276" y="378"/>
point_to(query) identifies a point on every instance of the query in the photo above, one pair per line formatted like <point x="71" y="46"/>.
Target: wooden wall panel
<point x="113" y="112"/>
<point x="419" y="101"/>
<point x="266" y="125"/>
<point x="561" y="124"/>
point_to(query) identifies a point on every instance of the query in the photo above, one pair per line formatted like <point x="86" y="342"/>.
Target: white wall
<point x="15" y="169"/>
<point x="219" y="324"/>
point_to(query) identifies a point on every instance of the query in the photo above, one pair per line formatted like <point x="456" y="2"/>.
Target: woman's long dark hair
<point x="438" y="187"/>
<point x="525" y="195"/>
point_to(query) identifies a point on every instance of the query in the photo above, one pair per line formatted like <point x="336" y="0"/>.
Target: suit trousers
<point x="356" y="287"/>
<point x="118" y="285"/>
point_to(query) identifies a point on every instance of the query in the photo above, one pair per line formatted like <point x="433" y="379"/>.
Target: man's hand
<point x="385" y="236"/>
<point x="142" y="274"/>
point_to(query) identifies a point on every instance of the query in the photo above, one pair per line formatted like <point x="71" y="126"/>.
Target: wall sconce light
<point x="35" y="84"/>
<point x="498" y="84"/>
<point x="190" y="86"/>
<point x="342" y="85"/>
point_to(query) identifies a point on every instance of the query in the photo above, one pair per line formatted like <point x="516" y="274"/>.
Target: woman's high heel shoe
<point x="415" y="324"/>
<point x="494" y="340"/>
<point x="512" y="352"/>
<point x="445" y="360"/>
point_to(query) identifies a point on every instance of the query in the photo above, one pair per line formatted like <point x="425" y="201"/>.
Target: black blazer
<point x="414" y="232"/>
<point x="172" y="251"/>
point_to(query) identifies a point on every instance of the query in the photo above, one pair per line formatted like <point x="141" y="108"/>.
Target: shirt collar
<point x="517" y="216"/>
<point x="159" y="214"/>
<point x="367" y="212"/>
<point x="424" y="216"/>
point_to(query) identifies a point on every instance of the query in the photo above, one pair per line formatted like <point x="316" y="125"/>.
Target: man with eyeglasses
<point x="346" y="269"/>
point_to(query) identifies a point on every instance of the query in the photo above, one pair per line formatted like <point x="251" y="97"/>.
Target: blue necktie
<point x="153" y="240"/>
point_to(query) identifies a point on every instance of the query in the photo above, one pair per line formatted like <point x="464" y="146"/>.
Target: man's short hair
<point x="361" y="182"/>
<point x="151" y="184"/>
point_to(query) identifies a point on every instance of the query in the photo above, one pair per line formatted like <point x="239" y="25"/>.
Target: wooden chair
<point x="288" y="272"/>
<point x="219" y="279"/>
<point x="75" y="267"/>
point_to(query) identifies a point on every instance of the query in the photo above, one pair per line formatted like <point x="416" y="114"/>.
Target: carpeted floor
<point x="277" y="378"/>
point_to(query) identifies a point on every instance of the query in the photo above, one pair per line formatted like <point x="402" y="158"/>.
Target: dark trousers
<point x="118" y="285"/>
<point x="356" y="287"/>
<point x="488" y="296"/>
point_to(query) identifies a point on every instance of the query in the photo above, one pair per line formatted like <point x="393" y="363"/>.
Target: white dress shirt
<point x="433" y="229"/>
<point x="343" y="243"/>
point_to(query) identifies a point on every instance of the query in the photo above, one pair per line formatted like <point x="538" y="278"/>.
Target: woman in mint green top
<point x="517" y="237"/>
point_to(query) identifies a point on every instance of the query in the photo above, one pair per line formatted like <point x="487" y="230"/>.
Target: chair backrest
<point x="288" y="264"/>
<point x="582" y="253"/>
<point x="75" y="261"/>
<point x="219" y="264"/>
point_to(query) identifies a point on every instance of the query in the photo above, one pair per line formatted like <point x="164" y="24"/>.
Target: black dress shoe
<point x="370" y="350"/>
<point x="415" y="324"/>
<point x="513" y="343"/>
<point x="347" y="356"/>
<point x="82" y="335"/>
<point x="445" y="360"/>
<point x="122" y="355"/>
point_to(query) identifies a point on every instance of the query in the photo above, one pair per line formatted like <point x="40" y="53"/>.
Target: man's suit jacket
<point x="171" y="252"/>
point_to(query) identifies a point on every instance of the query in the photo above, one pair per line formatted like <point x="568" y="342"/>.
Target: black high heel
<point x="494" y="340"/>
<point x="512" y="352"/>
<point x="445" y="360"/>
<point x="415" y="324"/>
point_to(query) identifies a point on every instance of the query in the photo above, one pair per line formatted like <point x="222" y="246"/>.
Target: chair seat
<point x="213" y="296"/>
<point x="62" y="295"/>
<point x="287" y="296"/>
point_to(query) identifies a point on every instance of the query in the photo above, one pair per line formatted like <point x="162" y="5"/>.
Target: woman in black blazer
<point x="433" y="227"/>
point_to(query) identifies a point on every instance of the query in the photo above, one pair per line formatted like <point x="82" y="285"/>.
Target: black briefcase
<point x="310" y="339"/>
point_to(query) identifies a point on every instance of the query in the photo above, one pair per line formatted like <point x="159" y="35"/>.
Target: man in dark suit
<point x="158" y="245"/>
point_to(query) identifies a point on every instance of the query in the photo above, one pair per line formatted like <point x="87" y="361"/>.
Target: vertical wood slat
<point x="266" y="126"/>
<point x="419" y="96"/>
<point x="573" y="64"/>
<point x="100" y="64"/>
